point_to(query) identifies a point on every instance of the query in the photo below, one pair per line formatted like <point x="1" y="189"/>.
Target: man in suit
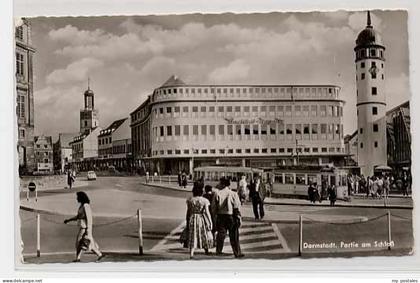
<point x="226" y="207"/>
<point x="257" y="194"/>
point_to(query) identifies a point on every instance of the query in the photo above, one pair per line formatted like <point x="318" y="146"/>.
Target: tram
<point x="212" y="174"/>
<point x="293" y="181"/>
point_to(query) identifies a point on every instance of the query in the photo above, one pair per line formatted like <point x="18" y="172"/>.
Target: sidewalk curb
<point x="341" y="205"/>
<point x="300" y="204"/>
<point x="165" y="187"/>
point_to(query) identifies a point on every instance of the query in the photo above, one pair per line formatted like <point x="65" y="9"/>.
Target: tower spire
<point x="369" y="22"/>
<point x="88" y="83"/>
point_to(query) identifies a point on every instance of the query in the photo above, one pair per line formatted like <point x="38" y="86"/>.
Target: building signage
<point x="253" y="121"/>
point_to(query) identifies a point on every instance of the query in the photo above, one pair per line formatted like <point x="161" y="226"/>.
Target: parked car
<point x="91" y="175"/>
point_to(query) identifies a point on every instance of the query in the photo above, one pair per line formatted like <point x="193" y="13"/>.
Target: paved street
<point x="115" y="200"/>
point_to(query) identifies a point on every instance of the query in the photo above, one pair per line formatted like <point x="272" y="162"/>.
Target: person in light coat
<point x="84" y="218"/>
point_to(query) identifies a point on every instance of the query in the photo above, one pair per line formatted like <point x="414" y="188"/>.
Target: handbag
<point x="84" y="243"/>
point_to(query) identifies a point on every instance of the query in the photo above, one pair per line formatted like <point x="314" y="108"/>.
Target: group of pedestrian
<point x="327" y="191"/>
<point x="378" y="186"/>
<point x="210" y="216"/>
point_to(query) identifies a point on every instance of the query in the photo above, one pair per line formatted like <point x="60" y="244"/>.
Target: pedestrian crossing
<point x="254" y="237"/>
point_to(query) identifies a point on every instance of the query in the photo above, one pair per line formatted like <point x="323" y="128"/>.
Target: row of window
<point x="375" y="129"/>
<point x="272" y="110"/>
<point x="249" y="129"/>
<point x="103" y="141"/>
<point x="373" y="91"/>
<point x="139" y="115"/>
<point x="116" y="149"/>
<point x="288" y="151"/>
<point x="369" y="52"/>
<point x="375" y="144"/>
<point x="39" y="146"/>
<point x="43" y="153"/>
<point x="372" y="65"/>
<point x="247" y="91"/>
<point x="372" y="75"/>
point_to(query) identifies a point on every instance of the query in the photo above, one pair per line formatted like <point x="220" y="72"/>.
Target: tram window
<point x="300" y="179"/>
<point x="312" y="179"/>
<point x="332" y="180"/>
<point x="278" y="179"/>
<point x="289" y="178"/>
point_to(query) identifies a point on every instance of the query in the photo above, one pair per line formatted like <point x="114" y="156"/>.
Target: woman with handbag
<point x="199" y="224"/>
<point x="84" y="240"/>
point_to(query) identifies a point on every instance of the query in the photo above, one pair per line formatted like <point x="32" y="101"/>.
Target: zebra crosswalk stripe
<point x="254" y="237"/>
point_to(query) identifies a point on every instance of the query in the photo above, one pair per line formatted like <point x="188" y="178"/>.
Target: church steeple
<point x="89" y="115"/>
<point x="89" y="97"/>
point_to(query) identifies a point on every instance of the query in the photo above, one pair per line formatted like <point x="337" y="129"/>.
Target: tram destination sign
<point x="253" y="121"/>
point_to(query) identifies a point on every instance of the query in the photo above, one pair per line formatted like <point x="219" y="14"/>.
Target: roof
<point x="173" y="81"/>
<point x="143" y="104"/>
<point x="111" y="128"/>
<point x="350" y="137"/>
<point x="368" y="36"/>
<point x="65" y="138"/>
<point x="48" y="139"/>
<point x="402" y="105"/>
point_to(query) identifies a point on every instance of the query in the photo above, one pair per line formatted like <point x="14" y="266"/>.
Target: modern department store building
<point x="238" y="125"/>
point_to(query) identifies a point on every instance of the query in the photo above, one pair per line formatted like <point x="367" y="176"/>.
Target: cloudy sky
<point x="127" y="57"/>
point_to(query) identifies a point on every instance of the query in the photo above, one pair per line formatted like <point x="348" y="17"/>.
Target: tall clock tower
<point x="89" y="118"/>
<point x="371" y="102"/>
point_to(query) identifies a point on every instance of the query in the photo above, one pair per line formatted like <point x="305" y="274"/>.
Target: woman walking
<point x="199" y="221"/>
<point x="84" y="240"/>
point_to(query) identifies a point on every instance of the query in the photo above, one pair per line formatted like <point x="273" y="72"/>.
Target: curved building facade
<point x="244" y="125"/>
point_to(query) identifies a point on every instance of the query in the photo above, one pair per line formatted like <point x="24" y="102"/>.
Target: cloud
<point x="339" y="15"/>
<point x="73" y="36"/>
<point x="57" y="109"/>
<point x="397" y="90"/>
<point x="129" y="59"/>
<point x="235" y="71"/>
<point x="357" y="21"/>
<point x="75" y="72"/>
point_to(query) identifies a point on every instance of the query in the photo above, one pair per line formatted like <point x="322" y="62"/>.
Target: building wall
<point x="371" y="102"/>
<point x="140" y="124"/>
<point x="44" y="154"/>
<point x="90" y="144"/>
<point x="24" y="96"/>
<point x="399" y="135"/>
<point x="244" y="122"/>
<point x="123" y="132"/>
<point x="105" y="145"/>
